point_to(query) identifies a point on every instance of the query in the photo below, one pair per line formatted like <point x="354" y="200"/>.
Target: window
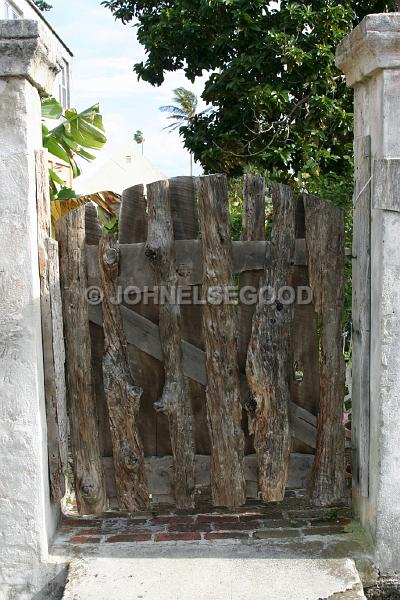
<point x="63" y="86"/>
<point x="10" y="11"/>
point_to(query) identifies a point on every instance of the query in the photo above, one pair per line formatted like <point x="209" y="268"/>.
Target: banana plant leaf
<point x="77" y="133"/>
<point x="69" y="140"/>
<point x="108" y="202"/>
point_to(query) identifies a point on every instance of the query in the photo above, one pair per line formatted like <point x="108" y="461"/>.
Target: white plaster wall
<point x="27" y="519"/>
<point x="24" y="504"/>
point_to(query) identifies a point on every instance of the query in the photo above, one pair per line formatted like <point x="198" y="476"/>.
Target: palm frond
<point x="175" y="110"/>
<point x="184" y="108"/>
<point x="172" y="126"/>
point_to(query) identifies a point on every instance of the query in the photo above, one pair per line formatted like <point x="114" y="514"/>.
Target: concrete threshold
<point x="217" y="571"/>
<point x="284" y="551"/>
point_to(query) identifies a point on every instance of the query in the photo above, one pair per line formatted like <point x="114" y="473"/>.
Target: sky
<point x="105" y="52"/>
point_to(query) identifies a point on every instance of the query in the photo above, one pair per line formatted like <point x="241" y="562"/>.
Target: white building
<point x="116" y="169"/>
<point x="26" y="9"/>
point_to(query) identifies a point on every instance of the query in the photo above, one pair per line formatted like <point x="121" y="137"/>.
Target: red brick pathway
<point x="292" y="519"/>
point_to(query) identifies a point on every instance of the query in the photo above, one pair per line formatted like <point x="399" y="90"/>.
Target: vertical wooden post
<point x="253" y="229"/>
<point x="221" y="334"/>
<point x="147" y="371"/>
<point x="88" y="469"/>
<point x="133" y="220"/>
<point x="182" y="195"/>
<point x="325" y="248"/>
<point x="52" y="336"/>
<point x="268" y="355"/>
<point x="183" y="208"/>
<point x="93" y="229"/>
<point x="93" y="235"/>
<point x="304" y="346"/>
<point x="361" y="368"/>
<point x="122" y="394"/>
<point x="175" y="400"/>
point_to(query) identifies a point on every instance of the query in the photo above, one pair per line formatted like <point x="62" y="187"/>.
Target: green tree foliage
<point x="279" y="106"/>
<point x="278" y="101"/>
<point x="42" y="5"/>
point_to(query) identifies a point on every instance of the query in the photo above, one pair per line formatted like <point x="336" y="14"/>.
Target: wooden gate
<point x="169" y="400"/>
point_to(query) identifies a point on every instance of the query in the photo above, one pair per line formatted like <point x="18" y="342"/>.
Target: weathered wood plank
<point x="133" y="219"/>
<point x="88" y="471"/>
<point x="304" y="348"/>
<point x="146" y="370"/>
<point x="122" y="393"/>
<point x="253" y="229"/>
<point x="52" y="336"/>
<point x="253" y="221"/>
<point x="268" y="356"/>
<point x="182" y="199"/>
<point x="182" y="195"/>
<point x="160" y="469"/>
<point x="93" y="229"/>
<point x="361" y="314"/>
<point x="325" y="245"/>
<point x="220" y="332"/>
<point x="145" y="335"/>
<point x="175" y="400"/>
<point x="58" y="439"/>
<point x="136" y="271"/>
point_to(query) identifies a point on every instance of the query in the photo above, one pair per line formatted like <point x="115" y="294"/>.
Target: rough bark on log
<point x="253" y="229"/>
<point x="175" y="400"/>
<point x="325" y="246"/>
<point x="88" y="469"/>
<point x="145" y="335"/>
<point x="122" y="394"/>
<point x="52" y="336"/>
<point x="220" y="330"/>
<point x="268" y="356"/>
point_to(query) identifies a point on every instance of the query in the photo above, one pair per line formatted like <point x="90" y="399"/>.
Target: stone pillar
<point x="370" y="59"/>
<point x="28" y="65"/>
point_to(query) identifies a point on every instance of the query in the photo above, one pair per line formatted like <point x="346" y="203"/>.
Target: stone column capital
<point x="372" y="46"/>
<point x="29" y="51"/>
